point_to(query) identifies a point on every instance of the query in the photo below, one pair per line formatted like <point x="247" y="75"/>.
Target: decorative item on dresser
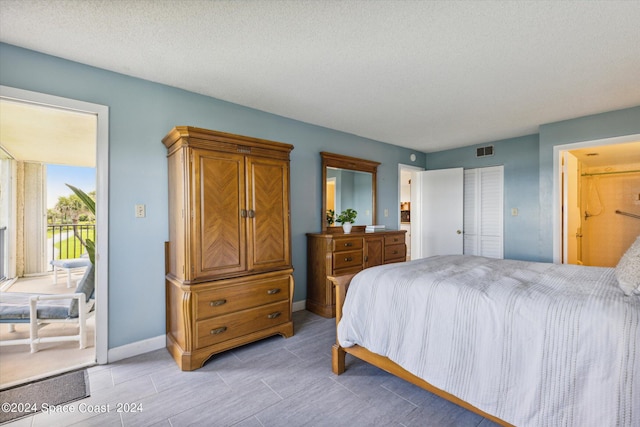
<point x="347" y="218"/>
<point x="335" y="253"/>
<point x="229" y="278"/>
<point x="349" y="187"/>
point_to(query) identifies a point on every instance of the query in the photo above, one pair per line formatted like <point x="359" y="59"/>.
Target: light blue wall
<point x="140" y="115"/>
<point x="528" y="169"/>
<point x="519" y="156"/>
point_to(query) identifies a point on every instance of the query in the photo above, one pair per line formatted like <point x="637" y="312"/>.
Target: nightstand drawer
<point x="347" y="259"/>
<point x="347" y="244"/>
<point x="229" y="326"/>
<point x="223" y="300"/>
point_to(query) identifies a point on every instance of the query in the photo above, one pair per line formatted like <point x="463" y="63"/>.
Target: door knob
<point x="458" y="232"/>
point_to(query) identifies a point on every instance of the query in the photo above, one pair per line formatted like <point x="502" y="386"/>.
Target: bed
<point x="520" y="343"/>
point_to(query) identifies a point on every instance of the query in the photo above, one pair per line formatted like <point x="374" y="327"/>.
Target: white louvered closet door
<point x="484" y="211"/>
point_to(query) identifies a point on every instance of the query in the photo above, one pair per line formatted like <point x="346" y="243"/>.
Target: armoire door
<point x="268" y="213"/>
<point x="219" y="215"/>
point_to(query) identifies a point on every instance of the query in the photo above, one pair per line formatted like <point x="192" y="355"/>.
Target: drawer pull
<point x="395" y="252"/>
<point x="348" y="259"/>
<point x="217" y="303"/>
<point x="273" y="291"/>
<point x="218" y="330"/>
<point x="274" y="315"/>
<point x="395" y="239"/>
<point x="348" y="244"/>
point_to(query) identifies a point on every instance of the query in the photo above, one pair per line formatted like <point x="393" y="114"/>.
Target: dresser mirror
<point x="348" y="182"/>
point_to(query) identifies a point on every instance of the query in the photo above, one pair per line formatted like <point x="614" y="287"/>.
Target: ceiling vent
<point x="484" y="151"/>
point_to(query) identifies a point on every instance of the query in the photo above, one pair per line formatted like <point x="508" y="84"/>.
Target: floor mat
<point x="29" y="398"/>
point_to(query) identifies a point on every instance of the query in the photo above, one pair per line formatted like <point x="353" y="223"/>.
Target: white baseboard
<point x="6" y="284"/>
<point x="136" y="348"/>
<point x="299" y="305"/>
<point x="152" y="344"/>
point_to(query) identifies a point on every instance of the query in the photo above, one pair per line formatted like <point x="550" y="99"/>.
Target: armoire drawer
<point x="229" y="326"/>
<point x="223" y="300"/>
<point x="347" y="259"/>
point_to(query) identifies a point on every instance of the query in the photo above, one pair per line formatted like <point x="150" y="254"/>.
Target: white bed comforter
<point x="534" y="344"/>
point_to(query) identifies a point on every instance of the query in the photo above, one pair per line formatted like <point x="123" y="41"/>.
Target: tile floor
<point x="274" y="382"/>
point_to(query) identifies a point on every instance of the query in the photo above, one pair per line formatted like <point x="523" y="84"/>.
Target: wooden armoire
<point x="229" y="278"/>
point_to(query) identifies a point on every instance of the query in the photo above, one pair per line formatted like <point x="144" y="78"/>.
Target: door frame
<point x="403" y="167"/>
<point x="102" y="202"/>
<point x="559" y="238"/>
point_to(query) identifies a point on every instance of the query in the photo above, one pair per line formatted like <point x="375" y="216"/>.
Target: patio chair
<point x="39" y="310"/>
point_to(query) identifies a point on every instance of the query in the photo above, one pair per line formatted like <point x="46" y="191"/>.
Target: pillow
<point x="86" y="285"/>
<point x="628" y="270"/>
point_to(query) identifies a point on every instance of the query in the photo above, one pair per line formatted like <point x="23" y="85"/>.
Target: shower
<point x="594" y="206"/>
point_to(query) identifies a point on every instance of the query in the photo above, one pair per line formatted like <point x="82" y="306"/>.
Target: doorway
<point x="404" y="202"/>
<point x="598" y="200"/>
<point x="100" y="150"/>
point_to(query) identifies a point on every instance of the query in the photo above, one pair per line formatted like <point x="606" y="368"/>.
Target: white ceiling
<point x="428" y="75"/>
<point x="38" y="133"/>
<point x="609" y="155"/>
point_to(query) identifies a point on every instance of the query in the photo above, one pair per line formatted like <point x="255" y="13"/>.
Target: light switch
<point x="386" y="213"/>
<point x="514" y="211"/>
<point x="140" y="211"/>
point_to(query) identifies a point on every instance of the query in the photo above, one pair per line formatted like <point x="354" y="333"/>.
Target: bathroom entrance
<point x="601" y="201"/>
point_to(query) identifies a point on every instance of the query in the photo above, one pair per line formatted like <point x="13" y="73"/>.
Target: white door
<point x="437" y="198"/>
<point x="572" y="217"/>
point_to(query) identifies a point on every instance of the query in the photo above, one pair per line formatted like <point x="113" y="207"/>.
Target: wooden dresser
<point x="229" y="278"/>
<point x="330" y="254"/>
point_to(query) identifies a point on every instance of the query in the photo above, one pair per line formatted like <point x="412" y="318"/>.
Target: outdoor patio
<point x="17" y="363"/>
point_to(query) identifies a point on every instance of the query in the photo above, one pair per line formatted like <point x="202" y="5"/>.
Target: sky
<point x="59" y="175"/>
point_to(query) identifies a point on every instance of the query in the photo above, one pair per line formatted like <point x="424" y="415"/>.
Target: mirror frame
<point x="351" y="163"/>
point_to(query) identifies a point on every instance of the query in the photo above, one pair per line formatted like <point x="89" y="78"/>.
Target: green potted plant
<point x="347" y="217"/>
<point x="331" y="215"/>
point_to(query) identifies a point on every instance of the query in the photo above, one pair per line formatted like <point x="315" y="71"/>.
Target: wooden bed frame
<point x="338" y="357"/>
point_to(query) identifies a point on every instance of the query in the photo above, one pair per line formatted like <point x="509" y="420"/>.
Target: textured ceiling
<point x="428" y="75"/>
